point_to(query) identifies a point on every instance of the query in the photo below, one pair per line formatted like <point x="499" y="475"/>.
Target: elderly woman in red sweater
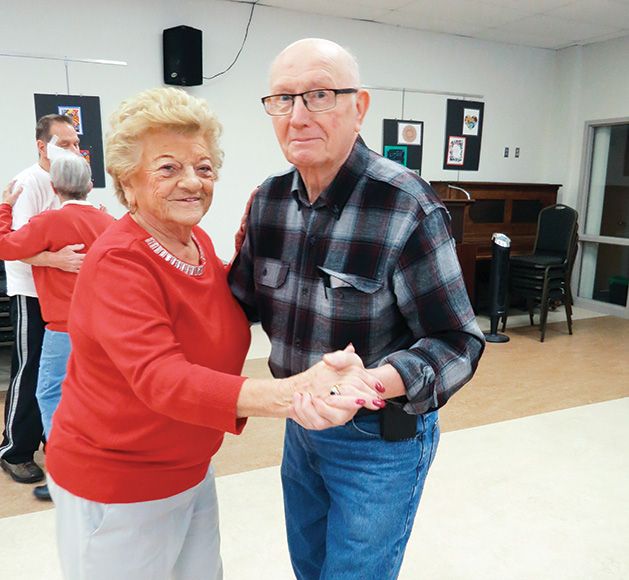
<point x="76" y="222"/>
<point x="158" y="345"/>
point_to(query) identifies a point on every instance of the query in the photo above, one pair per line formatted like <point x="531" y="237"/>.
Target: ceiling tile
<point x="542" y="23"/>
<point x="542" y="26"/>
<point x="329" y="8"/>
<point x="471" y="11"/>
<point x="521" y="38"/>
<point x="431" y="23"/>
<point x="531" y="6"/>
<point x="383" y="5"/>
<point x="605" y="12"/>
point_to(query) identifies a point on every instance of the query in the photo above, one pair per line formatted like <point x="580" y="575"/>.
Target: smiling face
<point x="173" y="184"/>
<point x="318" y="143"/>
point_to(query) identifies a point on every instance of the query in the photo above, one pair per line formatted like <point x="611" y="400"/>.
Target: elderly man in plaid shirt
<point x="347" y="247"/>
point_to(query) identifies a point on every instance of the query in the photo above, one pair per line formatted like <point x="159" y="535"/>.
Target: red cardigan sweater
<point x="74" y="223"/>
<point x="152" y="380"/>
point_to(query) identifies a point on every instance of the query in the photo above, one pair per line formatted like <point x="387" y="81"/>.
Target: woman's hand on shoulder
<point x="11" y="193"/>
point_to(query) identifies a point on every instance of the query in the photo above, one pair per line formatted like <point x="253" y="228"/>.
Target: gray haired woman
<point x="76" y="222"/>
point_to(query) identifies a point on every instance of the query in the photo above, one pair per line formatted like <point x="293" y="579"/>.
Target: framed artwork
<point x="75" y="114"/>
<point x="626" y="168"/>
<point x="409" y="133"/>
<point x="85" y="115"/>
<point x="456" y="150"/>
<point x="463" y="134"/>
<point x="470" y="121"/>
<point x="396" y="153"/>
<point x="402" y="142"/>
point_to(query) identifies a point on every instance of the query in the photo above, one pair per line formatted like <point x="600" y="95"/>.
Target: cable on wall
<point x="244" y="40"/>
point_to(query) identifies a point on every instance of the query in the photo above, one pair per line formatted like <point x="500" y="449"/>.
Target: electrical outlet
<point x="517" y="152"/>
<point x="506" y="152"/>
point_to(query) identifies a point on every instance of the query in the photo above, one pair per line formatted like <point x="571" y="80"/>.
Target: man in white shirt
<point x="56" y="136"/>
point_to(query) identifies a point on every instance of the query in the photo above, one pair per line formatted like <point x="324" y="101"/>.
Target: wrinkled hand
<point x="335" y="392"/>
<point x="68" y="258"/>
<point x="10" y="195"/>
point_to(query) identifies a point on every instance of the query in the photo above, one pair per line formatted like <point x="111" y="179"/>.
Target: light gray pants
<point x="176" y="538"/>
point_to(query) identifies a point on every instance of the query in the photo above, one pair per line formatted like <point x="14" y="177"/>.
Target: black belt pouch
<point x="396" y="425"/>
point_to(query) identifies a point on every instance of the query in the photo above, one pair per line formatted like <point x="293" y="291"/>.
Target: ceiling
<point x="551" y="24"/>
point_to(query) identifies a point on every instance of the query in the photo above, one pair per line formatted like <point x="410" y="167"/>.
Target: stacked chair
<point x="544" y="277"/>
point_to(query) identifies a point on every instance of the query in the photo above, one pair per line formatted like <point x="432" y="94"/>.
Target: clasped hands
<point x="338" y="387"/>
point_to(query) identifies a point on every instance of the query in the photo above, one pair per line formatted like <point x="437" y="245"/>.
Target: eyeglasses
<point x="315" y="101"/>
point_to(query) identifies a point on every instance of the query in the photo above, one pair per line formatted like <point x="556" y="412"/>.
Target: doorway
<point x="603" y="264"/>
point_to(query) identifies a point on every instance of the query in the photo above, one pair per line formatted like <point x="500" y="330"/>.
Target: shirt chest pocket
<point x="350" y="297"/>
<point x="336" y="280"/>
<point x="270" y="273"/>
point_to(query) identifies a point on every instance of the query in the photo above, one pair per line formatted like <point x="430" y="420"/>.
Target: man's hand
<point x="67" y="259"/>
<point x="384" y="375"/>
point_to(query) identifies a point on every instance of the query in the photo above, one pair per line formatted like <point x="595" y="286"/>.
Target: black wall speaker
<point x="183" y="61"/>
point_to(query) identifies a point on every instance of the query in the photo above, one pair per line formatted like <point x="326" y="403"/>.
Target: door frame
<point x="582" y="207"/>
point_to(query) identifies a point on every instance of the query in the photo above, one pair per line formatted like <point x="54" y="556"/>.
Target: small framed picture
<point x="471" y="118"/>
<point x="395" y="153"/>
<point x="409" y="133"/>
<point x="456" y="150"/>
<point x="75" y="114"/>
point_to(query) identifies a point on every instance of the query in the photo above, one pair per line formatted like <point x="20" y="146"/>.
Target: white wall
<point x="527" y="103"/>
<point x="592" y="85"/>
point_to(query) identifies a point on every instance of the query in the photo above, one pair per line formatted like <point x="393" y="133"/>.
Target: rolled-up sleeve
<point x="431" y="295"/>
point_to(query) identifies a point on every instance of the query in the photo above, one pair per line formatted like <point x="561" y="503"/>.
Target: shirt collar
<point x="76" y="201"/>
<point x="335" y="196"/>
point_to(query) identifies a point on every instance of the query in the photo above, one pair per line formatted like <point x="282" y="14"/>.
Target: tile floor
<point x="529" y="481"/>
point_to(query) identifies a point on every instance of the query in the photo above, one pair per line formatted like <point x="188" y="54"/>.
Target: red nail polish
<point x="379" y="387"/>
<point x="379" y="403"/>
<point x="360" y="401"/>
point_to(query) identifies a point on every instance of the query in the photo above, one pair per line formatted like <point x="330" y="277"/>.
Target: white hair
<point x="72" y="176"/>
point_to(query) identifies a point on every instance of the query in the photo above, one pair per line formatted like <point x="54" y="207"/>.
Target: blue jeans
<point x="52" y="371"/>
<point x="350" y="498"/>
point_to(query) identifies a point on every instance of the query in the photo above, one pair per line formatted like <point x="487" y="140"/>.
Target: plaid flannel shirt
<point x="371" y="262"/>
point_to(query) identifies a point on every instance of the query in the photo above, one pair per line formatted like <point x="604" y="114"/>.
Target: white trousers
<point x="176" y="538"/>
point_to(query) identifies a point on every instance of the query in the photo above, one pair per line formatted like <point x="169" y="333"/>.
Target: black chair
<point x="544" y="277"/>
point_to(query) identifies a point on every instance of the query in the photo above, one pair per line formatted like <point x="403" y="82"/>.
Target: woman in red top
<point x="76" y="222"/>
<point x="158" y="345"/>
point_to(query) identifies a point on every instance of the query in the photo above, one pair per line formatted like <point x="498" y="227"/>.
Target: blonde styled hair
<point x="166" y="109"/>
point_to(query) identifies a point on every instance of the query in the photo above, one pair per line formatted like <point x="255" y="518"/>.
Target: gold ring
<point x="335" y="390"/>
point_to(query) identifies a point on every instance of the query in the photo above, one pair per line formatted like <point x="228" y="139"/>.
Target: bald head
<point x="327" y="54"/>
<point x="317" y="142"/>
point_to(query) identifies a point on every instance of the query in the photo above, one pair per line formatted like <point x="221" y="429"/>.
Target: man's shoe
<point x="41" y="493"/>
<point x="28" y="472"/>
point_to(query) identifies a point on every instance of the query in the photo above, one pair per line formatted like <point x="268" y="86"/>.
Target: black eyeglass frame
<point x="292" y="96"/>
